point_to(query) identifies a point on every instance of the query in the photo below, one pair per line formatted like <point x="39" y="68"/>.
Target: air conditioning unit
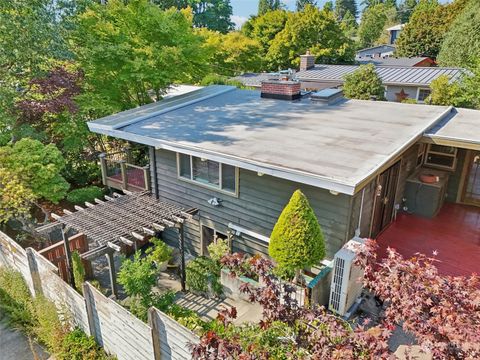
<point x="345" y="288"/>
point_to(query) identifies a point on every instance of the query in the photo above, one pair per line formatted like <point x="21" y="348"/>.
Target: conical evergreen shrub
<point x="297" y="239"/>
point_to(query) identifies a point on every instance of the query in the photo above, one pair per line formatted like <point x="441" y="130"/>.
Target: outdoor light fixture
<point x="203" y="159"/>
<point x="260" y="173"/>
<point x="214" y="201"/>
<point x="333" y="192"/>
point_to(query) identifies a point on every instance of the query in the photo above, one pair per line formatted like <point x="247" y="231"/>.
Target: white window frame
<point x="437" y="166"/>
<point x="418" y="94"/>
<point x="209" y="186"/>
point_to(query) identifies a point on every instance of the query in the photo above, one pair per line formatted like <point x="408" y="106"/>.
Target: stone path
<point x="15" y="345"/>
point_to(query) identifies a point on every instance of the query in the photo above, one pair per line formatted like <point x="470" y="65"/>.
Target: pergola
<point x="122" y="219"/>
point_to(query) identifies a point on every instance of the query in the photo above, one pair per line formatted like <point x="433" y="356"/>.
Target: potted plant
<point x="160" y="253"/>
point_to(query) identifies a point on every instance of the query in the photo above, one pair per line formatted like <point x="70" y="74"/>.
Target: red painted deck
<point x="454" y="233"/>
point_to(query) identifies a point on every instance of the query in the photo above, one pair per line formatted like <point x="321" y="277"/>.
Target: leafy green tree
<point x="78" y="271"/>
<point x="406" y="9"/>
<point x="363" y="84"/>
<point x="137" y="276"/>
<point x="30" y="171"/>
<point x="349" y="25"/>
<point x="328" y="6"/>
<point x="444" y="92"/>
<point x="312" y="29"/>
<point x="264" y="28"/>
<point x="233" y="53"/>
<point x="461" y="46"/>
<point x="373" y="22"/>
<point x="300" y="4"/>
<point x="265" y="6"/>
<point x="297" y="240"/>
<point x="128" y="51"/>
<point x="212" y="14"/>
<point x="344" y="6"/>
<point x="424" y="33"/>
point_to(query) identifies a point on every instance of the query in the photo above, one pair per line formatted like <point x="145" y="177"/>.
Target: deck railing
<point x="117" y="173"/>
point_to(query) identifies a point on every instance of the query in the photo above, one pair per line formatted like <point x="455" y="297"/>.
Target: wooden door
<point x="385" y="199"/>
<point x="471" y="188"/>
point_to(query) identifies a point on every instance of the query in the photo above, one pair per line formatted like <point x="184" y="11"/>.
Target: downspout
<point x="153" y="155"/>
<point x="358" y="230"/>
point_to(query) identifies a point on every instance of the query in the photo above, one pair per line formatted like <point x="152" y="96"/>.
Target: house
<point x="379" y="51"/>
<point x="237" y="156"/>
<point x="401" y="82"/>
<point x="394" y="32"/>
<point x="420" y="61"/>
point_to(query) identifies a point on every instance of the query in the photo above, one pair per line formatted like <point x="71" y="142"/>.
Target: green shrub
<point x="89" y="193"/>
<point x="159" y="252"/>
<point x="15" y="298"/>
<point x="297" y="240"/>
<point x="78" y="271"/>
<point x="48" y="328"/>
<point x="364" y="83"/>
<point x="137" y="276"/>
<point x="78" y="346"/>
<point x="218" y="249"/>
<point x="202" y="273"/>
<point x="214" y="79"/>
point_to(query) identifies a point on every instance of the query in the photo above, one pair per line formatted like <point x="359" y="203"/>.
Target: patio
<point x="454" y="233"/>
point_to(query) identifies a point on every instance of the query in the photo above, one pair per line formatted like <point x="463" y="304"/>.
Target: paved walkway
<point x="14" y="345"/>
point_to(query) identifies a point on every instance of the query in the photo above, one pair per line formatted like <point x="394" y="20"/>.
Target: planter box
<point x="231" y="285"/>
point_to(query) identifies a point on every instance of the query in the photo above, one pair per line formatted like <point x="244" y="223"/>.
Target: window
<point x="208" y="173"/>
<point x="442" y="157"/>
<point x="423" y="94"/>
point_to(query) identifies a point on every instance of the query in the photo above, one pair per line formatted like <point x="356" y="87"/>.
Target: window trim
<point x="215" y="231"/>
<point x="418" y="94"/>
<point x="205" y="185"/>
<point x="437" y="166"/>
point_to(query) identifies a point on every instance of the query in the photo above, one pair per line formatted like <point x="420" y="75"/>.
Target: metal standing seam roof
<point x="337" y="147"/>
<point x="390" y="75"/>
<point x="255" y="79"/>
<point x="391" y="61"/>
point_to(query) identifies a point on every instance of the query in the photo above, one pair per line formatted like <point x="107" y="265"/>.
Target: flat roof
<point x="390" y="75"/>
<point x="337" y="147"/>
<point x="461" y="131"/>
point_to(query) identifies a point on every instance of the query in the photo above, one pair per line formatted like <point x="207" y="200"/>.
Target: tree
<point x="233" y="53"/>
<point x="373" y="22"/>
<point x="344" y="6"/>
<point x="461" y="45"/>
<point x="264" y="28"/>
<point x="363" y="84"/>
<point x="212" y="14"/>
<point x="349" y="25"/>
<point x="31" y="171"/>
<point x="424" y="33"/>
<point x="128" y="51"/>
<point x="312" y="29"/>
<point x="444" y="92"/>
<point x="300" y="4"/>
<point x="406" y="9"/>
<point x="297" y="240"/>
<point x="441" y="312"/>
<point x="265" y="6"/>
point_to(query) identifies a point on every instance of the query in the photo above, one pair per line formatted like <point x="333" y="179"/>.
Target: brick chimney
<point x="282" y="89"/>
<point x="307" y="61"/>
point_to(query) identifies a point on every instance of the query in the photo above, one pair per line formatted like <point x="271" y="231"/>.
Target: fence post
<point x="89" y="304"/>
<point x="152" y="322"/>
<point x="34" y="274"/>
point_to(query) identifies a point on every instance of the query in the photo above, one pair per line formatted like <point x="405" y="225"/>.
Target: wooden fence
<point x="113" y="327"/>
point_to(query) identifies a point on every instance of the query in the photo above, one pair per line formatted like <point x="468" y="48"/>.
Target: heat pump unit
<point x="346" y="287"/>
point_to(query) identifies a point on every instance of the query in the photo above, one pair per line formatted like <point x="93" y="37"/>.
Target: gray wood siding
<point x="257" y="207"/>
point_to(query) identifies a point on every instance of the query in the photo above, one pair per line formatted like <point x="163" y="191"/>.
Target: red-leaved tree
<point x="442" y="312"/>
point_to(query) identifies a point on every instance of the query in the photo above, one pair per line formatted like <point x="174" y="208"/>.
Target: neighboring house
<point x="401" y="82"/>
<point x="420" y="61"/>
<point x="394" y="32"/>
<point x="237" y="157"/>
<point x="379" y="51"/>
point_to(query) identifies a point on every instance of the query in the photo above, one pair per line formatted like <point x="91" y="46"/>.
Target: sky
<point x="242" y="9"/>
